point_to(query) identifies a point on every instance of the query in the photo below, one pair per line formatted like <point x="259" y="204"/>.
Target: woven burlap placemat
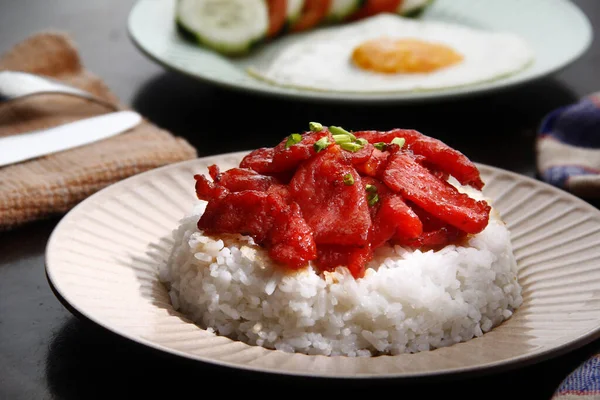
<point x="53" y="184"/>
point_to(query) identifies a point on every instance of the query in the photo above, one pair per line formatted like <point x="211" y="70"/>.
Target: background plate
<point x="556" y="29"/>
<point x="102" y="259"/>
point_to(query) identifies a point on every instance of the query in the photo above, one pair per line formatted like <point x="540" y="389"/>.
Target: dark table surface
<point x="46" y="352"/>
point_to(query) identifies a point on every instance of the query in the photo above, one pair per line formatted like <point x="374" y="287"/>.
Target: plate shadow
<point x="498" y="129"/>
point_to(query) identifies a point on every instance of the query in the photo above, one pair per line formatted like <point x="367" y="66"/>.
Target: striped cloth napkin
<point x="568" y="148"/>
<point x="581" y="384"/>
<point x="568" y="157"/>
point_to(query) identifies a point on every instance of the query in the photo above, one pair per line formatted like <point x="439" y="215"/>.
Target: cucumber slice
<point x="294" y="9"/>
<point x="340" y="9"/>
<point x="413" y="8"/>
<point x="230" y="27"/>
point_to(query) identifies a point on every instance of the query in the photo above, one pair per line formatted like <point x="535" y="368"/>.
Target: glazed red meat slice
<point x="430" y="222"/>
<point x="436" y="152"/>
<point x="291" y="239"/>
<point x="354" y="258"/>
<point x="281" y="190"/>
<point x="448" y="160"/>
<point x="361" y="156"/>
<point x="214" y="172"/>
<point x="436" y="239"/>
<point x="336" y="212"/>
<point x="387" y="136"/>
<point x="390" y="216"/>
<point x="232" y="180"/>
<point x="207" y="190"/>
<point x="436" y="233"/>
<point x="415" y="183"/>
<point x="287" y="157"/>
<point x="248" y="213"/>
<point x="268" y="219"/>
<point x="374" y="165"/>
<point x="259" y="160"/>
<point x="238" y="179"/>
<point x="406" y="222"/>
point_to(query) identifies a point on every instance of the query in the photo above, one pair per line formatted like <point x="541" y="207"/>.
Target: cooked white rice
<point x="408" y="301"/>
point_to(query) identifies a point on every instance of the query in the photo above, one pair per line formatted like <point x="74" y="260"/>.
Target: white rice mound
<point x="408" y="301"/>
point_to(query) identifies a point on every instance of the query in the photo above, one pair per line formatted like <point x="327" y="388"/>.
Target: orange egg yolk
<point x="393" y="56"/>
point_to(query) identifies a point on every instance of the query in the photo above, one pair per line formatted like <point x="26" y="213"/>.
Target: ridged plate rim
<point x="72" y="301"/>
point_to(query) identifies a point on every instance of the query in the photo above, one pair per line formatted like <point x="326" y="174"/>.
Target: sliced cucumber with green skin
<point x="340" y="9"/>
<point x="231" y="27"/>
<point x="413" y="8"/>
<point x="294" y="10"/>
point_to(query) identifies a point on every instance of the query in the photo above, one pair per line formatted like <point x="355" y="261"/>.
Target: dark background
<point x="45" y="352"/>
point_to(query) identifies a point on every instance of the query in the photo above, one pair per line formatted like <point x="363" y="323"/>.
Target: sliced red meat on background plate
<point x="313" y="12"/>
<point x="277" y="16"/>
<point x="373" y="7"/>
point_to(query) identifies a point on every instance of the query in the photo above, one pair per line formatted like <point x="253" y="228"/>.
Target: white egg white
<point x="322" y="59"/>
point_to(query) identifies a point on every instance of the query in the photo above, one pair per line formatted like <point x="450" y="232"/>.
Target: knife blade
<point x="35" y="144"/>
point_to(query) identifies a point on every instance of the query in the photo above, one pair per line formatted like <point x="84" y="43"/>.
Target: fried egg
<point x="389" y="53"/>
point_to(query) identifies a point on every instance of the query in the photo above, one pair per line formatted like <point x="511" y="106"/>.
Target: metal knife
<point x="26" y="146"/>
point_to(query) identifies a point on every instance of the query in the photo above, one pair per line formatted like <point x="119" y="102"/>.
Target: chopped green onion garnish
<point x="372" y="199"/>
<point x="321" y="144"/>
<point x="380" y="146"/>
<point x="348" y="179"/>
<point x="339" y="139"/>
<point x="293" y="139"/>
<point x="399" y="141"/>
<point x="371" y="188"/>
<point x="362" y="141"/>
<point x="315" y="126"/>
<point x="353" y="147"/>
<point x="336" y="130"/>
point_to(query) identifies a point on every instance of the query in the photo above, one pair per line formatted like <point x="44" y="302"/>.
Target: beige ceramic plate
<point x="103" y="255"/>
